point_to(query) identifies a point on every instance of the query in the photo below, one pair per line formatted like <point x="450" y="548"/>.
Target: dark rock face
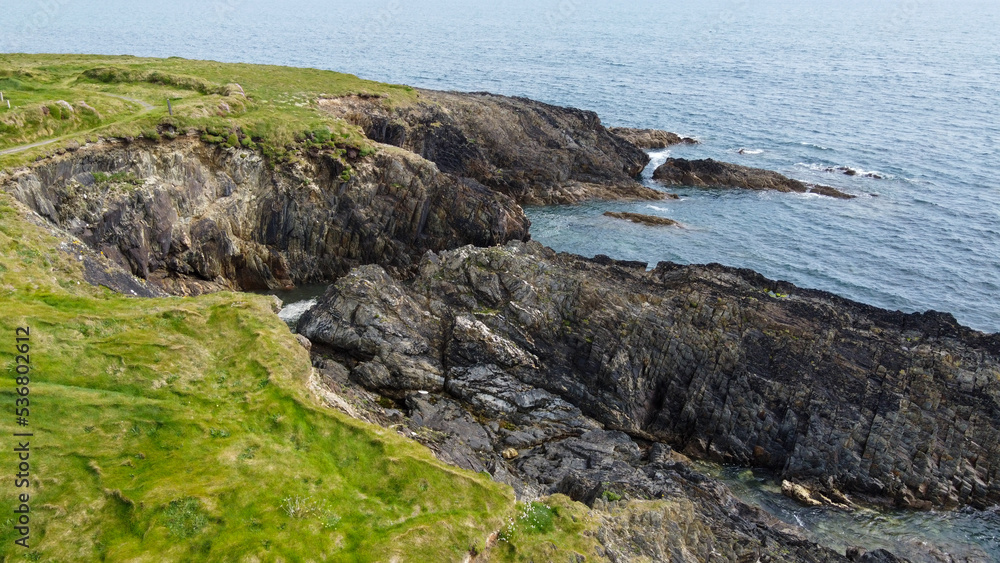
<point x="712" y="173"/>
<point x="536" y="153"/>
<point x="877" y="556"/>
<point x="194" y="218"/>
<point x="715" y="362"/>
<point x="651" y="138"/>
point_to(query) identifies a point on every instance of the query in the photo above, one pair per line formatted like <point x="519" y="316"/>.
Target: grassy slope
<point x="276" y="113"/>
<point x="179" y="429"/>
<point x="182" y="429"/>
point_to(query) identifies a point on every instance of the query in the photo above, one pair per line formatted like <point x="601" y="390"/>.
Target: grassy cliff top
<point x="73" y="99"/>
<point x="192" y="429"/>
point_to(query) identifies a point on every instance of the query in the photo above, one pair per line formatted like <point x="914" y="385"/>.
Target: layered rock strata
<point x="534" y="152"/>
<point x="651" y="502"/>
<point x="712" y="173"/>
<point x="651" y="138"/>
<point x="193" y="218"/>
<point x="583" y="366"/>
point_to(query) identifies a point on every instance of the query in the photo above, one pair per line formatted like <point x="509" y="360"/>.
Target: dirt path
<point x="146" y="107"/>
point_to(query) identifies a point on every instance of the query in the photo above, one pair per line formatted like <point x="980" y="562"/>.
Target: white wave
<point x="845" y="170"/>
<point x="750" y="151"/>
<point x="657" y="208"/>
<point x="292" y="312"/>
<point x="813" y="166"/>
<point x="815" y="146"/>
<point x="657" y="157"/>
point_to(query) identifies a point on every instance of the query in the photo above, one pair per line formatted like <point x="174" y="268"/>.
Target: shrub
<point x="100" y="178"/>
<point x="322" y="135"/>
<point x="537" y="518"/>
<point x="611" y="496"/>
<point x="184" y="517"/>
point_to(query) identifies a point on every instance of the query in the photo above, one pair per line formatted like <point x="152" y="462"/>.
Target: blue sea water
<point x="907" y="89"/>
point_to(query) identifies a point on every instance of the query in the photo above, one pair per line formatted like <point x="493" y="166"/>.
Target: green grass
<point x="553" y="529"/>
<point x="183" y="429"/>
<point x="276" y="112"/>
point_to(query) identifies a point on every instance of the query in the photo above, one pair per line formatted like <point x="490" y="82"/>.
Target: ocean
<point x="904" y="89"/>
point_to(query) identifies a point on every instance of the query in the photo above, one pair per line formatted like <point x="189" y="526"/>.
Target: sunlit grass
<point x="183" y="429"/>
<point x="267" y="107"/>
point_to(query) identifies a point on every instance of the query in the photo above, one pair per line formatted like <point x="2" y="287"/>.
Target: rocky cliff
<point x="194" y="218"/>
<point x="536" y="153"/>
<point x="588" y="368"/>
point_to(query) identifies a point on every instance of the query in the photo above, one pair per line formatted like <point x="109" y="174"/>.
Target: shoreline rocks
<point x="715" y="362"/>
<point x="712" y="173"/>
<point x="651" y="138"/>
<point x="641" y="219"/>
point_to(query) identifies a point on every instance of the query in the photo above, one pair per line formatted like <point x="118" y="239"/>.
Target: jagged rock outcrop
<point x="481" y="417"/>
<point x="194" y="218"/>
<point x="716" y="362"/>
<point x="534" y="152"/>
<point x="712" y="173"/>
<point x="651" y="138"/>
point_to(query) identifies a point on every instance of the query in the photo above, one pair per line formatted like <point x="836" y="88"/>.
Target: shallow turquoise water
<point x="921" y="537"/>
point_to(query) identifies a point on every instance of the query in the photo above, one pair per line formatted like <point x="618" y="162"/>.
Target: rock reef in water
<point x="712" y="173"/>
<point x="533" y="152"/>
<point x="651" y="138"/>
<point x="651" y="220"/>
<point x="570" y="356"/>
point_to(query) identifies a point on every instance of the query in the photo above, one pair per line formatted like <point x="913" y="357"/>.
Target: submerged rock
<point x="651" y="138"/>
<point x="712" y="173"/>
<point x="642" y="219"/>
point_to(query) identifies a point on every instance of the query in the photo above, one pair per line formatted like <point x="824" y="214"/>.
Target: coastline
<point x="395" y="200"/>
